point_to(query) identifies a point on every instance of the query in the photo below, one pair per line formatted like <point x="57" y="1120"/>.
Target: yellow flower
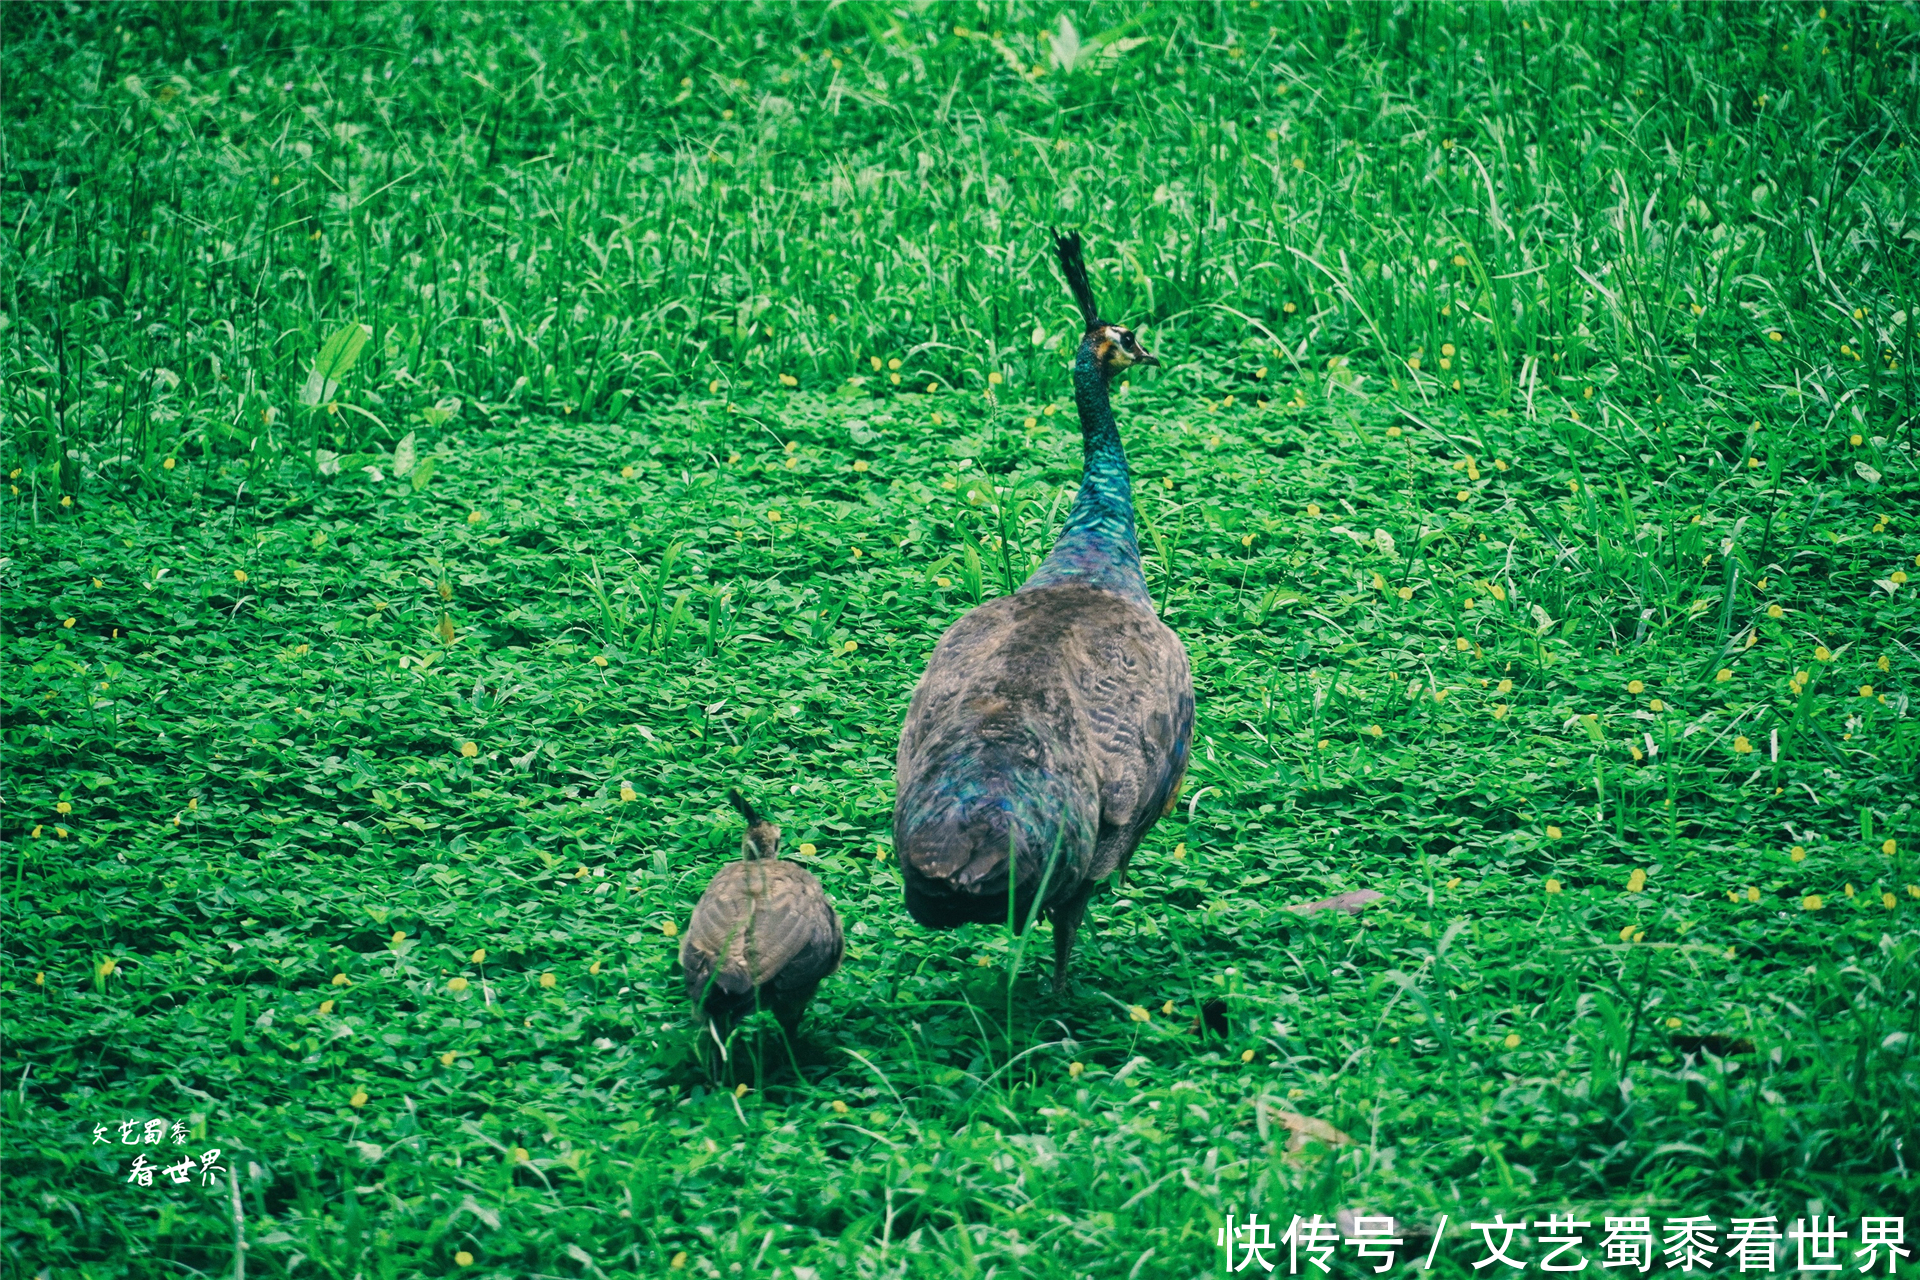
<point x="69" y="622"/>
<point x="1656" y="705"/>
<point x="626" y="473"/>
<point x="1246" y="539"/>
<point x="1499" y="711"/>
<point x="40" y="979"/>
<point x="1741" y="745"/>
<point x="1866" y="691"/>
<point x="1626" y="933"/>
<point x="1774" y="335"/>
<point x="168" y="465"/>
<point x="463" y="1258"/>
<point x="1812" y="902"/>
<point x="521" y="1155"/>
<point x="1856" y="440"/>
<point x="326" y="1007"/>
<point x="1637" y="881"/>
<point x="892" y="364"/>
<point x="1167" y="1009"/>
<point x="1753" y="893"/>
<point x="1454" y="883"/>
<point x="547" y="981"/>
<point x="1379" y="583"/>
<point x="1462" y="496"/>
<point x="1898" y="577"/>
<point x="1075" y="1069"/>
<point x="66" y="499"/>
<point x="1505" y="686"/>
<point x="788" y="380"/>
<point x="1374" y="730"/>
<point x="1137" y="1013"/>
<point x="1798" y="853"/>
<point x="476" y="517"/>
<point x="1313" y="508"/>
<point x="1031" y="423"/>
<point x="680" y="1259"/>
<point x="1405" y="593"/>
<point x="63" y="807"/>
<point x="1246" y="1055"/>
<point x="1553" y="833"/>
<point x="399" y="936"/>
<point x="1461" y="644"/>
<point x="341" y="980"/>
<point x="1849" y="891"/>
<point x="943" y="582"/>
<point x="239" y="575"/>
<point x="1722" y="675"/>
<point x="1553" y="886"/>
<point x="994" y="379"/>
<point x="671" y="929"/>
<point x="1887" y="847"/>
<point x="1635" y="686"/>
<point x="1822" y="654"/>
<point x="849" y="646"/>
<point x="97" y="583"/>
<point x="1512" y="1041"/>
<point x="1887" y="900"/>
<point x="457" y="984"/>
<point x="593" y="969"/>
<point x="1446" y="348"/>
<point x="1775" y="611"/>
<point x="446" y="1059"/>
<point x="359" y="1098"/>
<point x="1459" y="260"/>
<point x="861" y="464"/>
<point x="469" y="749"/>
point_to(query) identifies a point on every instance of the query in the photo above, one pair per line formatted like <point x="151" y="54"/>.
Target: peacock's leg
<point x="1066" y="922"/>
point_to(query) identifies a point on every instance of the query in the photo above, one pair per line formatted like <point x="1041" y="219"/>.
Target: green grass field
<point x="1531" y="477"/>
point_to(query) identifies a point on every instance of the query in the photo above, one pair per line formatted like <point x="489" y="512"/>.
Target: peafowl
<point x="1050" y="730"/>
<point x="763" y="934"/>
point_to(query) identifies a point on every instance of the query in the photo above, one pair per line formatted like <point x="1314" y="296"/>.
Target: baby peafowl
<point x="1051" y="728"/>
<point x="763" y="935"/>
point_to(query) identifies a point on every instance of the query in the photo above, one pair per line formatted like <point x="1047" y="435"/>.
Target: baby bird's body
<point x="763" y="935"/>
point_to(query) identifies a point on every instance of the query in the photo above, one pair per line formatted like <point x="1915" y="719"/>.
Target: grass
<point x="1552" y="345"/>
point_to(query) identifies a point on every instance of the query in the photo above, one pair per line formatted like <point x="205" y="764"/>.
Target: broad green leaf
<point x="336" y="358"/>
<point x="403" y="455"/>
<point x="422" y="472"/>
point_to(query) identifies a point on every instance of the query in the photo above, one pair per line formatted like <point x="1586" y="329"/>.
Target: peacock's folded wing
<point x="753" y="920"/>
<point x="1135" y="689"/>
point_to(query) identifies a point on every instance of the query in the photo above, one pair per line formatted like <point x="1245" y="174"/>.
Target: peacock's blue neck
<point x="1098" y="544"/>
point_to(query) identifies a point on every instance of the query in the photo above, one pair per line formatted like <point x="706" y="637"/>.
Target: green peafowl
<point x="1050" y="730"/>
<point x="763" y="935"/>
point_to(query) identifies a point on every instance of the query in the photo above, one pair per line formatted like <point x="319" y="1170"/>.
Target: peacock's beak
<point x="1144" y="356"/>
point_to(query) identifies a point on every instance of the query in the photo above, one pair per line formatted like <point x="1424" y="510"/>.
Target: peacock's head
<point x="762" y="839"/>
<point x="1115" y="348"/>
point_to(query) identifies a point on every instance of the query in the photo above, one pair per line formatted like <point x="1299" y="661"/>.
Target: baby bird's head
<point x="762" y="839"/>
